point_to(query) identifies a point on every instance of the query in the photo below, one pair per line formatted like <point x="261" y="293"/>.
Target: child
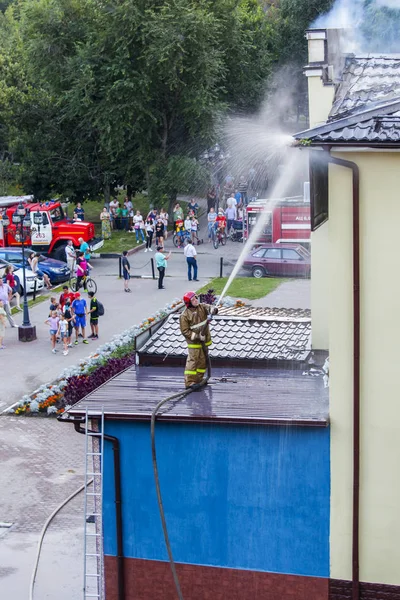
<point x="70" y="320"/>
<point x="54" y="305"/>
<point x="180" y="231"/>
<point x="195" y="224"/>
<point x="2" y="324"/>
<point x="53" y="322"/>
<point x="63" y="332"/>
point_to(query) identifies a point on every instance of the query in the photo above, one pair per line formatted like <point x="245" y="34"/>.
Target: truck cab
<point x="52" y="235"/>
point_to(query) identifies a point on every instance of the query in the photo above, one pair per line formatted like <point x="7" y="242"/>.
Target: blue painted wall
<point x="235" y="496"/>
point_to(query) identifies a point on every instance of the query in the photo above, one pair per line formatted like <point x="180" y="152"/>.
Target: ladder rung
<point x="92" y="554"/>
<point x="92" y="596"/>
<point x="94" y="534"/>
<point x="93" y="494"/>
<point x="93" y="515"/>
<point x="92" y="575"/>
<point x="93" y="454"/>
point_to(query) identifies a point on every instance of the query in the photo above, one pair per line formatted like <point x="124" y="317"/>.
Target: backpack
<point x="100" y="308"/>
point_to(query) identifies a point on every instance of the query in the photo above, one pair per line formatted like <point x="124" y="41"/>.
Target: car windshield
<point x="303" y="251"/>
<point x="57" y="214"/>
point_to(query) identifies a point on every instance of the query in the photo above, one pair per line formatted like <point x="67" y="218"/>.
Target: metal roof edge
<point x="359" y="117"/>
<point x="268" y="421"/>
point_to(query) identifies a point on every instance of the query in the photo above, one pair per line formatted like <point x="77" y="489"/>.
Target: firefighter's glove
<point x="193" y="336"/>
<point x="202" y="337"/>
<point x="214" y="310"/>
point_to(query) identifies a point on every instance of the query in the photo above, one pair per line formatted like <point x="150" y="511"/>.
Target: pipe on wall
<point x="356" y="373"/>
<point x="118" y="498"/>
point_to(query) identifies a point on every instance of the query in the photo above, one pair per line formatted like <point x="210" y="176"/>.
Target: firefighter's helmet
<point x="188" y="297"/>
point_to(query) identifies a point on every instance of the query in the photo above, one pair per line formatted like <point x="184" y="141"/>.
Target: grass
<point x="244" y="287"/>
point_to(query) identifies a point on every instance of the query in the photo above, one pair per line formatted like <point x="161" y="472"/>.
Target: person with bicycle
<point x="82" y="271"/>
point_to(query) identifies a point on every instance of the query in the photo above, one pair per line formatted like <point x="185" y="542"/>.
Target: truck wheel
<point x="258" y="272"/>
<point x="59" y="253"/>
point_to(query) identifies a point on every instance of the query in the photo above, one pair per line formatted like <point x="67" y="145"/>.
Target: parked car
<point x="57" y="270"/>
<point x="287" y="260"/>
<point x="19" y="277"/>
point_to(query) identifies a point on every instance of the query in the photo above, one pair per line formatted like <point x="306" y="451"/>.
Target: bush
<point x="79" y="386"/>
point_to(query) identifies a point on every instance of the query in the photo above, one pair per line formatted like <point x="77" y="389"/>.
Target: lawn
<point x="244" y="287"/>
<point x="120" y="240"/>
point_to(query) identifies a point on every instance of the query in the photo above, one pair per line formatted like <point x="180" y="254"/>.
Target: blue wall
<point x="235" y="496"/>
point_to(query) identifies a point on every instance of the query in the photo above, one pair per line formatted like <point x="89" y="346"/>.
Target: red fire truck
<point x="52" y="235"/>
<point x="289" y="220"/>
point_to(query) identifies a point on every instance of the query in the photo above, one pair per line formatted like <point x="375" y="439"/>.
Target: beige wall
<point x="320" y="278"/>
<point x="380" y="359"/>
<point x="320" y="99"/>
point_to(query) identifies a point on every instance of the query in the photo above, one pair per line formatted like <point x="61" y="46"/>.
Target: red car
<point x="287" y="260"/>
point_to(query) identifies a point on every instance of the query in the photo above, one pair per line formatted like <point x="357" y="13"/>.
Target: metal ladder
<point x="93" y="567"/>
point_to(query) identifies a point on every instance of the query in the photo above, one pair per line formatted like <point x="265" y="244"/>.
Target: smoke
<point x="371" y="26"/>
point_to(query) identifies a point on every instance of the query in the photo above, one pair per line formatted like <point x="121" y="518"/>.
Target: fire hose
<point x="179" y="396"/>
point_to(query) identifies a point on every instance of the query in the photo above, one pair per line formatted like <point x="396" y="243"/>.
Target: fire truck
<point x="289" y="220"/>
<point x="52" y="235"/>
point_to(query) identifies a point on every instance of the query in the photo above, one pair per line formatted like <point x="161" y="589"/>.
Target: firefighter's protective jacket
<point x="194" y="316"/>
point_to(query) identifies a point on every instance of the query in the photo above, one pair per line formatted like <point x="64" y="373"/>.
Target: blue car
<point x="57" y="270"/>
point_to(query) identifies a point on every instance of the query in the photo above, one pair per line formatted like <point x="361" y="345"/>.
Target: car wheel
<point x="258" y="272"/>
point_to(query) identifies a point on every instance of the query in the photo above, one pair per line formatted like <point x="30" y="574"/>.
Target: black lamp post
<point x="22" y="220"/>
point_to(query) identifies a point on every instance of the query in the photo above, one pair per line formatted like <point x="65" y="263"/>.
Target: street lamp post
<point x="22" y="221"/>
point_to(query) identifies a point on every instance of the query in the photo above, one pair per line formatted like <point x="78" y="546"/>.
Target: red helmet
<point x="188" y="297"/>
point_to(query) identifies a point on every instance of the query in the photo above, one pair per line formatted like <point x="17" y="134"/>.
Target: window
<point x="318" y="188"/>
<point x="14" y="258"/>
<point x="45" y="219"/>
<point x="259" y="253"/>
<point x="273" y="253"/>
<point x="291" y="255"/>
<point x="56" y="214"/>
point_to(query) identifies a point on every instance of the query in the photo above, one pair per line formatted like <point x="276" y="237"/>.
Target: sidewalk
<point x="290" y="294"/>
<point x="25" y="366"/>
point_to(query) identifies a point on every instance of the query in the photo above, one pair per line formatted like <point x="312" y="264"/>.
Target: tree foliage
<point x="94" y="94"/>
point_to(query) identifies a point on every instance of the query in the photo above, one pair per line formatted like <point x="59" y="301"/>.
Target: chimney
<point x="324" y="69"/>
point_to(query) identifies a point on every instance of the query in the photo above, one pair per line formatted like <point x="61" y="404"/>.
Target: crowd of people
<point x="122" y="217"/>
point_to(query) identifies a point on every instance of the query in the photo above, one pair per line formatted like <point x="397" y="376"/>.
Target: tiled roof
<point x="366" y="108"/>
<point x="273" y="396"/>
<point x="243" y="338"/>
<point x="366" y="81"/>
<point x="265" y="311"/>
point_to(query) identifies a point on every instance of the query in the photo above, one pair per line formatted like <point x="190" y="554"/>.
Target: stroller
<point x="236" y="234"/>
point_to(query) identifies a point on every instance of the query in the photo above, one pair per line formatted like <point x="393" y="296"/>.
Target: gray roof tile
<point x="244" y="338"/>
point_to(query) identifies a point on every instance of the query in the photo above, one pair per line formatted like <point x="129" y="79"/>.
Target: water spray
<point x="289" y="172"/>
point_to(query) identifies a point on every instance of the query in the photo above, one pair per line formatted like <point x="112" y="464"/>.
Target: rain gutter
<point x="77" y="421"/>
<point x="356" y="372"/>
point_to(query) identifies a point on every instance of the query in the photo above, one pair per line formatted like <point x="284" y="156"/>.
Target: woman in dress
<point x="164" y="217"/>
<point x="2" y="324"/>
<point x="105" y="219"/>
<point x="33" y="263"/>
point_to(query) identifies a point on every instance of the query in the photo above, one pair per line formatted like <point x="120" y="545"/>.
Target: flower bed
<point x="76" y="382"/>
<point x="109" y="359"/>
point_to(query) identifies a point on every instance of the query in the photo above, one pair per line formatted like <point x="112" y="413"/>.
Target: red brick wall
<point x="152" y="580"/>
<point x="341" y="590"/>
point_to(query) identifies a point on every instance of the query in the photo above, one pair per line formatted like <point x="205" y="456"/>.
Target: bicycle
<point x="179" y="240"/>
<point x="219" y="238"/>
<point x="89" y="284"/>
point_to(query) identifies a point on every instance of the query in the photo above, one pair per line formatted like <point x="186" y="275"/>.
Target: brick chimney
<point x="324" y="68"/>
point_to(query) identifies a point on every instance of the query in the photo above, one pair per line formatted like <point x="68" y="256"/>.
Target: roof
<point x="265" y="311"/>
<point x="254" y="397"/>
<point x="366" y="81"/>
<point x="250" y="337"/>
<point x="366" y="107"/>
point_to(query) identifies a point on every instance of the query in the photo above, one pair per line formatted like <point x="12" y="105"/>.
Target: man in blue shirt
<point x="84" y="248"/>
<point x="161" y="263"/>
<point x="79" y="308"/>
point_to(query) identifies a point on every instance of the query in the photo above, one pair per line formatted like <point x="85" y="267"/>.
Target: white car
<point x="30" y="278"/>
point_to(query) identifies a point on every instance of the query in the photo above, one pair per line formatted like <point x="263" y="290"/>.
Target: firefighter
<point x="194" y="322"/>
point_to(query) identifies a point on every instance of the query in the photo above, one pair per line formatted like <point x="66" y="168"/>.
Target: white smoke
<point x="355" y="16"/>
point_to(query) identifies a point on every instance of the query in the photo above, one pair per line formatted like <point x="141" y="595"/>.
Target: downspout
<point x="356" y="373"/>
<point x="118" y="498"/>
